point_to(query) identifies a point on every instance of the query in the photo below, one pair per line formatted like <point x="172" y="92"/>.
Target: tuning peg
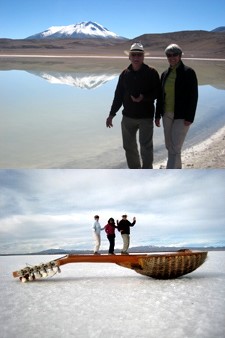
<point x="39" y="274"/>
<point x="51" y="265"/>
<point x="32" y="277"/>
<point x="44" y="269"/>
<point x="38" y="271"/>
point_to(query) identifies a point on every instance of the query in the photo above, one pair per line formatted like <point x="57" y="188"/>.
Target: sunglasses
<point x="170" y="55"/>
<point x="136" y="54"/>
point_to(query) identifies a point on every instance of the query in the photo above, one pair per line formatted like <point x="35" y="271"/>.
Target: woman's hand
<point x="157" y="122"/>
<point x="187" y="123"/>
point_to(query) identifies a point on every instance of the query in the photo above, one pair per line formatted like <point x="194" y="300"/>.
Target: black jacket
<point x="124" y="226"/>
<point x="186" y="93"/>
<point x="144" y="81"/>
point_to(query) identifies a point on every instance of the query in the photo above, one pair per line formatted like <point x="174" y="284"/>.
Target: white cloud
<point x="57" y="206"/>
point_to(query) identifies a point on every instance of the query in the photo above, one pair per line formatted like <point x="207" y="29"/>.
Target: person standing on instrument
<point x="123" y="227"/>
<point x="110" y="232"/>
<point x="97" y="234"/>
<point x="136" y="91"/>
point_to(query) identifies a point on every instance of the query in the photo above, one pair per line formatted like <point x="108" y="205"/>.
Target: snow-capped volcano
<point x="83" y="30"/>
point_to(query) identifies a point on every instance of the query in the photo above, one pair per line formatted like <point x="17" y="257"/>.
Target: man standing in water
<point x="124" y="228"/>
<point x="137" y="89"/>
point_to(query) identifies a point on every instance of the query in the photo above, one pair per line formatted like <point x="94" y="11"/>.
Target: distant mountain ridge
<point x="219" y="29"/>
<point x="83" y="30"/>
<point x="138" y="249"/>
<point x="195" y="44"/>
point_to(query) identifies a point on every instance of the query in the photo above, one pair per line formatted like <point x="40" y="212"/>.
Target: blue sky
<point x="129" y="18"/>
<point x="42" y="209"/>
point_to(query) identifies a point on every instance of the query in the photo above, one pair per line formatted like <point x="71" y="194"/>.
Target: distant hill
<point x="219" y="29"/>
<point x="193" y="43"/>
<point x="138" y="249"/>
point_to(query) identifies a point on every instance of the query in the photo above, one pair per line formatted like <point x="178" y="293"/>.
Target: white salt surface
<point x="107" y="301"/>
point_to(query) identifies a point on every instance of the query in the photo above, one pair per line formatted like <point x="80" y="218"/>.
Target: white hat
<point x="137" y="47"/>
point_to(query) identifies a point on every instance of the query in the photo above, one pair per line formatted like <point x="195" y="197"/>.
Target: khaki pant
<point x="174" y="132"/>
<point x="126" y="242"/>
<point x="129" y="134"/>
<point x="97" y="239"/>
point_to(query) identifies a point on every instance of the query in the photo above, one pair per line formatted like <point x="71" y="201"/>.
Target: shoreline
<point x="209" y="154"/>
<point x="101" y="57"/>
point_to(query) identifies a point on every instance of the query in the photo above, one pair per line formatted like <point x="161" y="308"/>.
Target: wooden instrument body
<point x="155" y="265"/>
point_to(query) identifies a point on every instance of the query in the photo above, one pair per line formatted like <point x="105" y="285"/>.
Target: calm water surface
<point x="53" y="111"/>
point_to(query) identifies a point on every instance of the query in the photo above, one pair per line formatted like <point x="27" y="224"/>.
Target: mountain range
<point x="92" y="39"/>
<point x="138" y="249"/>
<point x="219" y="29"/>
<point x="83" y="30"/>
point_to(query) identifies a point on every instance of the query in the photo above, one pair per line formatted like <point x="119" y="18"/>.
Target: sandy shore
<point x="208" y="154"/>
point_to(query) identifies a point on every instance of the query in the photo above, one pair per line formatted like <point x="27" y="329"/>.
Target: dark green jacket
<point x="186" y="93"/>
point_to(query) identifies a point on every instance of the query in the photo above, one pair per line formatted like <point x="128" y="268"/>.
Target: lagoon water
<point x="53" y="111"/>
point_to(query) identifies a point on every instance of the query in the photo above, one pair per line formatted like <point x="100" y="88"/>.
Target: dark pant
<point x="130" y="127"/>
<point x="111" y="239"/>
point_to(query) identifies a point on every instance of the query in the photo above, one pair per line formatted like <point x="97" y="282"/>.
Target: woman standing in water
<point x="176" y="104"/>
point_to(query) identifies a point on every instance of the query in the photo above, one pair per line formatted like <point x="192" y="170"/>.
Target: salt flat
<point x="106" y="300"/>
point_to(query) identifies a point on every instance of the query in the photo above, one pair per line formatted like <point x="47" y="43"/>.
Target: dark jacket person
<point x="136" y="91"/>
<point x="124" y="228"/>
<point x="176" y="104"/>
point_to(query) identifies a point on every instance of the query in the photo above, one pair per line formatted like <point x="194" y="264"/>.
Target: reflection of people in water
<point x="136" y="90"/>
<point x="177" y="104"/>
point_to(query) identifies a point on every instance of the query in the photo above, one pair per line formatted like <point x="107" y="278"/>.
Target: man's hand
<point x="109" y="122"/>
<point x="137" y="99"/>
<point x="157" y="122"/>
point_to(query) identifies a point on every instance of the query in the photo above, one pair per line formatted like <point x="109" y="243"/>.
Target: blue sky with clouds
<point x="42" y="209"/>
<point x="129" y="18"/>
